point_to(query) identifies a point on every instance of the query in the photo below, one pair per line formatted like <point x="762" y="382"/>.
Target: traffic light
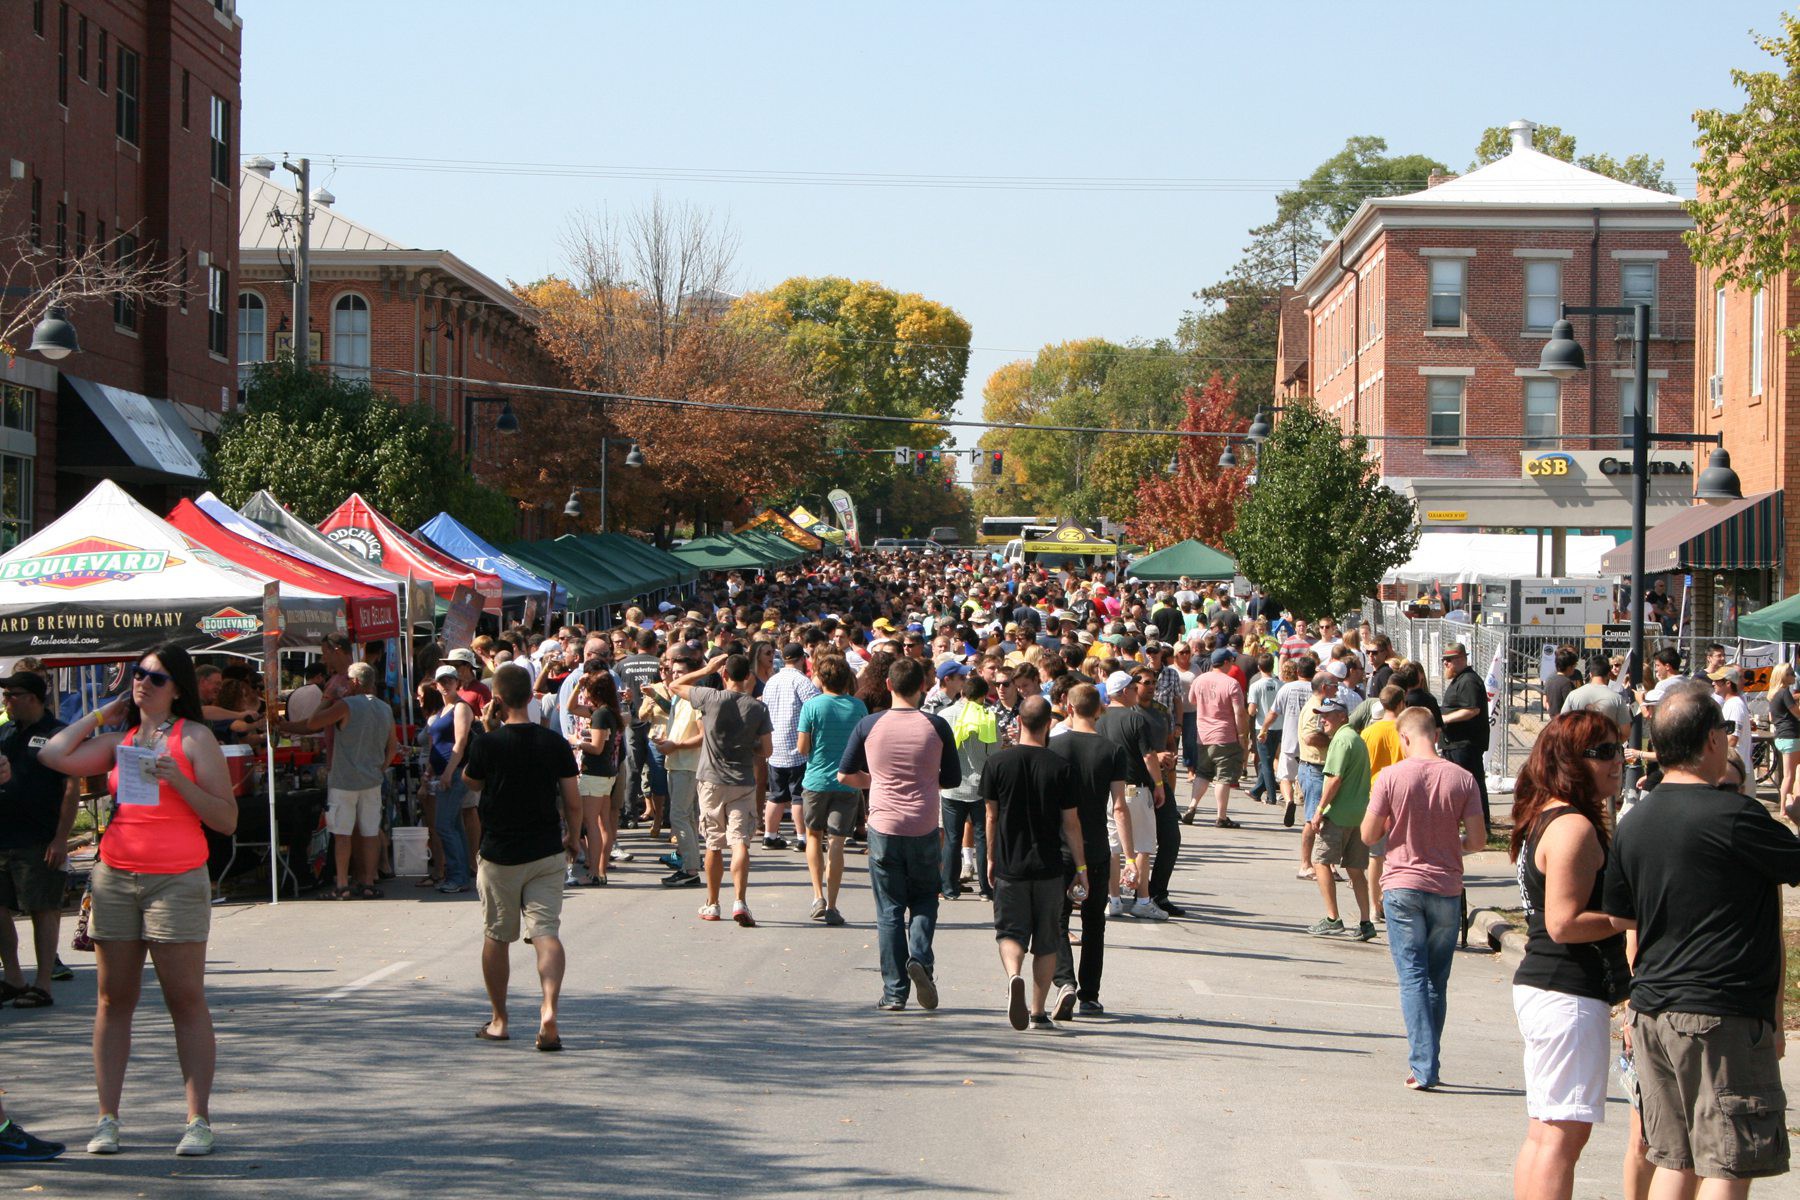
<point x="919" y="460"/>
<point x="994" y="464"/>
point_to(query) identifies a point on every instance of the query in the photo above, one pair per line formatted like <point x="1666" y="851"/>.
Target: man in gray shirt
<point x="1597" y="695"/>
<point x="365" y="744"/>
<point x="737" y="739"/>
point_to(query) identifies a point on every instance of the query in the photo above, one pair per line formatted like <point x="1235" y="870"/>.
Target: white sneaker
<point x="196" y="1139"/>
<point x="709" y="912"/>
<point x="1146" y="910"/>
<point x="1115" y="907"/>
<point x="106" y="1137"/>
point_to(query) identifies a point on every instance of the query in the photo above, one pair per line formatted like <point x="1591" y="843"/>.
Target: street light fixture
<point x="1228" y="460"/>
<point x="54" y="337"/>
<point x="634" y="458"/>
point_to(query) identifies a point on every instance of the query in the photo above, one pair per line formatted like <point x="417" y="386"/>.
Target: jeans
<point x="903" y="874"/>
<point x="1312" y="787"/>
<point x="1267" y="749"/>
<point x="956" y="814"/>
<point x="684" y="818"/>
<point x="455" y="867"/>
<point x="1093" y="933"/>
<point x="637" y="757"/>
<point x="1469" y="759"/>
<point x="1168" y="847"/>
<point x="1421" y="933"/>
<point x="1190" y="741"/>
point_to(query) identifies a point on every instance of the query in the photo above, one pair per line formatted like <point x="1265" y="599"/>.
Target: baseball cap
<point x="1454" y="649"/>
<point x="1118" y="681"/>
<point x="1718" y="676"/>
<point x="1221" y="656"/>
<point x="26" y="681"/>
<point x="1338" y="669"/>
<point x="445" y="671"/>
<point x="950" y="667"/>
<point x="915" y="627"/>
<point x="883" y="624"/>
<point x="665" y="606"/>
<point x="1332" y="705"/>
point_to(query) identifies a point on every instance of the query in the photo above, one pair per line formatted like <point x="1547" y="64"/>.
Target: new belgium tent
<point x="360" y="529"/>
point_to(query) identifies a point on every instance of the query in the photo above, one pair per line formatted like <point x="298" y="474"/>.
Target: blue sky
<point x="1241" y="97"/>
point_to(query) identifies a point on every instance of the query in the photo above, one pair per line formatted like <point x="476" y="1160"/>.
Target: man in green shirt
<point x="1336" y="839"/>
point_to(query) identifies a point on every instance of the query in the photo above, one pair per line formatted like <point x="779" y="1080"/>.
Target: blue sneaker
<point x="17" y="1146"/>
<point x="671" y="861"/>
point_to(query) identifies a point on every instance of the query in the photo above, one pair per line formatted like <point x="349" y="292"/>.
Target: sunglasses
<point x="1604" y="752"/>
<point x="153" y="678"/>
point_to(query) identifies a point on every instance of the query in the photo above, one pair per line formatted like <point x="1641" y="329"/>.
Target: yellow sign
<point x="1446" y="514"/>
<point x="1548" y="466"/>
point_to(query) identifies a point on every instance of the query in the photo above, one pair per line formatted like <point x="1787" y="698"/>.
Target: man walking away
<point x="1223" y="723"/>
<point x="735" y="737"/>
<point x="904" y="757"/>
<point x="826" y="722"/>
<point x="1337" y="831"/>
<point x="524" y="775"/>
<point x="636" y="673"/>
<point x="1419" y="804"/>
<point x="1465" y="718"/>
<point x="977" y="735"/>
<point x="365" y="744"/>
<point x="1031" y="799"/>
<point x="784" y="694"/>
<point x="1126" y="725"/>
<point x="1597" y="695"/>
<point x="1697" y="872"/>
<point x="1100" y="771"/>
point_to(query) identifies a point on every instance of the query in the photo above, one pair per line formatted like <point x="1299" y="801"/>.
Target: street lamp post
<point x="508" y="422"/>
<point x="633" y="458"/>
<point x="1562" y="358"/>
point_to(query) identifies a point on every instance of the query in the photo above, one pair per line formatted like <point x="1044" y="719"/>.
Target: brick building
<point x="121" y="121"/>
<point x="1426" y="315"/>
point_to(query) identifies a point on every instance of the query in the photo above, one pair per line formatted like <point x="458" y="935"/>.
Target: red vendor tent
<point x="372" y="612"/>
<point x="359" y="529"/>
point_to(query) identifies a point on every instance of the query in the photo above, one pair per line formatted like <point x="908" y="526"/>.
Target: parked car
<point x="946" y="535"/>
<point x="885" y="545"/>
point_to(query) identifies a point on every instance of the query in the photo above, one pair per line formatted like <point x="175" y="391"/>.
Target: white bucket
<point x="410" y="857"/>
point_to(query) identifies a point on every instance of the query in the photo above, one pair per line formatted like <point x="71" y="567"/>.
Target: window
<point x="81" y="48"/>
<point x="1543" y="294"/>
<point x="100" y="58"/>
<point x="350" y="337"/>
<point x="15" y="500"/>
<point x="1756" y="343"/>
<point x="62" y="55"/>
<point x="221" y="140"/>
<point x="18" y="408"/>
<point x="124" y="257"/>
<point x="1719" y="335"/>
<point x="1628" y="406"/>
<point x="37" y="17"/>
<point x="125" y="101"/>
<point x="253" y="324"/>
<point x="1447" y="278"/>
<point x="1446" y="411"/>
<point x="80" y="233"/>
<point x="62" y="233"/>
<point x="216" y="328"/>
<point x="37" y="211"/>
<point x="187" y="88"/>
<point x="1637" y="285"/>
<point x="1543" y="413"/>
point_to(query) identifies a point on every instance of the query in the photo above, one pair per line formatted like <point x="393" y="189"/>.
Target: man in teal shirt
<point x="1336" y="837"/>
<point x="829" y="808"/>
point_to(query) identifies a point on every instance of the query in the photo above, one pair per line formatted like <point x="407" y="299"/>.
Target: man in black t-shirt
<point x="1030" y="795"/>
<point x="1100" y="771"/>
<point x="636" y="672"/>
<point x="1130" y="726"/>
<point x="1696" y="870"/>
<point x="1465" y="719"/>
<point x="530" y="815"/>
<point x="37" y="811"/>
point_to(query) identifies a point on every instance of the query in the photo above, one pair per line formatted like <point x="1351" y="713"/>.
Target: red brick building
<point x="1425" y="318"/>
<point x="121" y="118"/>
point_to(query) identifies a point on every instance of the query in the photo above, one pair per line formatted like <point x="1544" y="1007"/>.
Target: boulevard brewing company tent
<point x="110" y="580"/>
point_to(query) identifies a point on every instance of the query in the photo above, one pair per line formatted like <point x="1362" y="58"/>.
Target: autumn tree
<point x="1200" y="499"/>
<point x="1639" y="169"/>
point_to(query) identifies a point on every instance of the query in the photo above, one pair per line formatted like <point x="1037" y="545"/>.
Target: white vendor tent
<point x="1453" y="558"/>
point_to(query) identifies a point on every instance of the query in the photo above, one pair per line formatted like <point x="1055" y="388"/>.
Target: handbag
<point x="82" y="941"/>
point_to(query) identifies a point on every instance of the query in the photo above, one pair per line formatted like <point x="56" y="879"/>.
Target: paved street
<point x="1239" y="1058"/>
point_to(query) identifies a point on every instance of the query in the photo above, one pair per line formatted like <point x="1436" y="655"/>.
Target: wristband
<point x="1082" y="869"/>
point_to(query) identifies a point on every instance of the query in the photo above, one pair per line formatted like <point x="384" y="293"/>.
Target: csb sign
<point x="1549" y="466"/>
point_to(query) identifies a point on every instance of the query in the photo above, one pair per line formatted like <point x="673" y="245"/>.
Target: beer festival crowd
<point x="1044" y="739"/>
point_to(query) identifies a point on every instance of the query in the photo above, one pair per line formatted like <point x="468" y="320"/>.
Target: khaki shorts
<point x="1221" y="760"/>
<point x="596" y="786"/>
<point x="1339" y="846"/>
<point x="353" y="810"/>
<point x="1142" y="807"/>
<point x="133" y="907"/>
<point x="1712" y="1096"/>
<point x="727" y="815"/>
<point x="511" y="892"/>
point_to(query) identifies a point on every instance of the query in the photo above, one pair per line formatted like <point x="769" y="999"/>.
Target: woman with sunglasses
<point x="150" y="888"/>
<point x="1575" y="968"/>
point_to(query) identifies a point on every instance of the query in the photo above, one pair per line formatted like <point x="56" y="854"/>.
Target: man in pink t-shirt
<point x="1430" y="813"/>
<point x="1222" y="725"/>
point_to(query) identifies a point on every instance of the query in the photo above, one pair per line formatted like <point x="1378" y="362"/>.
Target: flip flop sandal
<point x="428" y="881"/>
<point x="547" y="1046"/>
<point x="336" y="894"/>
<point x="9" y="993"/>
<point x="33" y="997"/>
<point x="369" y="893"/>
<point x="485" y="1036"/>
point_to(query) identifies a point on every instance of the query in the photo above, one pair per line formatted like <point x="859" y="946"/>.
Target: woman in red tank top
<point x="150" y="889"/>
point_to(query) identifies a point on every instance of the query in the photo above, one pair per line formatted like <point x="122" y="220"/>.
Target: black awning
<point x="124" y="435"/>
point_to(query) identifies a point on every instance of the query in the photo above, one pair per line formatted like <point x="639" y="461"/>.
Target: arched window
<point x="252" y="328"/>
<point x="350" y="336"/>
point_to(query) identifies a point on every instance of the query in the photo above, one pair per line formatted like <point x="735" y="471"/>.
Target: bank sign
<point x="1565" y="466"/>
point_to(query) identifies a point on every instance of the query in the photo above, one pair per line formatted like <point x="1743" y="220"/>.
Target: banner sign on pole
<point x="845" y="508"/>
<point x="459" y="622"/>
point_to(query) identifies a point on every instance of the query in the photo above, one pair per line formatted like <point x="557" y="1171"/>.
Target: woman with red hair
<point x="1574" y="969"/>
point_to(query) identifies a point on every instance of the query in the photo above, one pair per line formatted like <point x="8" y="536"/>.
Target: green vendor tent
<point x="1780" y="622"/>
<point x="1192" y="558"/>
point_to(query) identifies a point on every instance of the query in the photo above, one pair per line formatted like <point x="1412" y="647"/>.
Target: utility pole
<point x="303" y="267"/>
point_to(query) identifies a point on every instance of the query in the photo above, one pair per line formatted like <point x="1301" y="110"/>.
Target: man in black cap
<point x="37" y="811"/>
<point x="1465" y="718"/>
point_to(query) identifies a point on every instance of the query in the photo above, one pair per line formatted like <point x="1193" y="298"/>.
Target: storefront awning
<point x="145" y="440"/>
<point x="1744" y="535"/>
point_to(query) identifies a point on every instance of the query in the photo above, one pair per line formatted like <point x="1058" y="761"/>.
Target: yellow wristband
<point x="1081" y="870"/>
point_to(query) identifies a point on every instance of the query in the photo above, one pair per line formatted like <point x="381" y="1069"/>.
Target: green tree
<point x="1639" y="169"/>
<point x="312" y="439"/>
<point x="1320" y="529"/>
<point x="1747" y="217"/>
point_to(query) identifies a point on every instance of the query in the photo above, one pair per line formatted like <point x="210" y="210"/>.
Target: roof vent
<point x="1521" y="132"/>
<point x="323" y="198"/>
<point x="259" y="166"/>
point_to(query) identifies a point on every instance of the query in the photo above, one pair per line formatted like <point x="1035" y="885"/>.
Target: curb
<point x="1502" y="937"/>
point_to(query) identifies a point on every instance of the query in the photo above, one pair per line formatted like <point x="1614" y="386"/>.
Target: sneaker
<point x="1115" y="907"/>
<point x="1326" y="927"/>
<point x="1146" y="910"/>
<point x="569" y="879"/>
<point x="817" y="911"/>
<point x="682" y="879"/>
<point x="17" y="1146"/>
<point x="671" y="861"/>
<point x="1016" y="1012"/>
<point x="1041" y="1022"/>
<point x="1170" y="907"/>
<point x="924" y="986"/>
<point x="800" y="845"/>
<point x="833" y="917"/>
<point x="775" y="843"/>
<point x="60" y="973"/>
<point x="1365" y="931"/>
<point x="452" y="889"/>
<point x="106" y="1137"/>
<point x="1065" y="1003"/>
<point x="740" y="912"/>
<point x="1090" y="1008"/>
<point x="196" y="1139"/>
<point x="886" y="1005"/>
<point x="709" y="912"/>
<point x="622" y="856"/>
<point x="1413" y="1082"/>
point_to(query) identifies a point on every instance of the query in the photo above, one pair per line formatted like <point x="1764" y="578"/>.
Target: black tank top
<point x="1596" y="969"/>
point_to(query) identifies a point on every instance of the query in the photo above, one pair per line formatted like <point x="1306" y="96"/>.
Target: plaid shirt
<point x="1168" y="689"/>
<point x="785" y="692"/>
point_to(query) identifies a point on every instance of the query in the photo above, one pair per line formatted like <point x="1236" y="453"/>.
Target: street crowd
<point x="1020" y="733"/>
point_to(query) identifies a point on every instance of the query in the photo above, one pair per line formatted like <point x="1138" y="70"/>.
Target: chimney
<point x="259" y="166"/>
<point x="1521" y="131"/>
<point x="1436" y="177"/>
